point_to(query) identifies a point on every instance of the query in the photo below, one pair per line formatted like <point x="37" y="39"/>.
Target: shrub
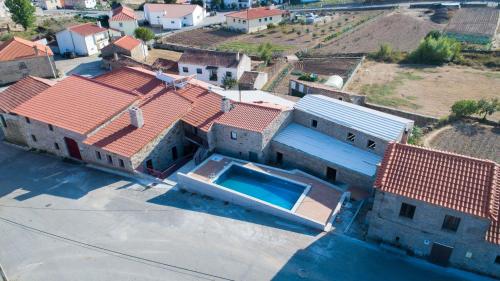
<point x="271" y="26"/>
<point x="144" y="34"/>
<point x="386" y="54"/>
<point x="435" y="34"/>
<point x="228" y="82"/>
<point x="415" y="136"/>
<point x="436" y="51"/>
<point x="464" y="108"/>
<point x="485" y="107"/>
<point x="265" y="52"/>
<point x="311" y="77"/>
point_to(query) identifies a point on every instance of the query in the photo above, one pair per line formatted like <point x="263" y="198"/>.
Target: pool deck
<point x="319" y="203"/>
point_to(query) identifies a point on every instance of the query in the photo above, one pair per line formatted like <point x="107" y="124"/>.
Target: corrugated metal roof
<point x="329" y="149"/>
<point x="378" y="124"/>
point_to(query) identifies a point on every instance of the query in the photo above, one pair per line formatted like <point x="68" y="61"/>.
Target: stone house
<point x="254" y="19"/>
<point x="173" y="16"/>
<point x="15" y="95"/>
<point x="213" y="66"/>
<point x="336" y="140"/>
<point x="20" y="58"/>
<point x="84" y="39"/>
<point x="123" y="19"/>
<point x="49" y="4"/>
<point x="128" y="46"/>
<point x="439" y="205"/>
<point x="80" y="4"/>
<point x="252" y="80"/>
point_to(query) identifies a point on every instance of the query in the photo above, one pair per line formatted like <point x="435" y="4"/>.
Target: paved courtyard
<point x="64" y="221"/>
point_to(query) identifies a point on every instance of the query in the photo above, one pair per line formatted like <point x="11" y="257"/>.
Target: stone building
<point x="337" y="140"/>
<point x="128" y="46"/>
<point x="439" y="205"/>
<point x="123" y="19"/>
<point x="20" y="58"/>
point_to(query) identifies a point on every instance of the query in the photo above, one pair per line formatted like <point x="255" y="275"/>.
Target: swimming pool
<point x="271" y="189"/>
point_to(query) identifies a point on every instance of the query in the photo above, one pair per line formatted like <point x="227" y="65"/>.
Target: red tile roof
<point x="206" y="110"/>
<point x="22" y="91"/>
<point x="77" y="104"/>
<point x="172" y="10"/>
<point x="256" y="13"/>
<point x="131" y="79"/>
<point x="123" y="13"/>
<point x="127" y="42"/>
<point x="18" y="48"/>
<point x="86" y="29"/>
<point x="250" y="117"/>
<point x="449" y="180"/>
<point x="160" y="111"/>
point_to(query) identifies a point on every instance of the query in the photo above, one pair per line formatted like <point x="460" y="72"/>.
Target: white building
<point x="84" y="39"/>
<point x="213" y="66"/>
<point x="173" y="16"/>
<point x="123" y="19"/>
<point x="49" y="4"/>
<point x="255" y="19"/>
<point x="80" y="4"/>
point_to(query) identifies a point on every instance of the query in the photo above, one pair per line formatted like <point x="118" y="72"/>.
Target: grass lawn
<point x="249" y="48"/>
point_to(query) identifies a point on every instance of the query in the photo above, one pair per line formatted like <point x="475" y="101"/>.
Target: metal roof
<point x="329" y="149"/>
<point x="372" y="122"/>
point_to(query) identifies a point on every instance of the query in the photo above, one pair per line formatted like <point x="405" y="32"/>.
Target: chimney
<point x="99" y="23"/>
<point x="225" y="105"/>
<point x="36" y="50"/>
<point x="238" y="56"/>
<point x="136" y="118"/>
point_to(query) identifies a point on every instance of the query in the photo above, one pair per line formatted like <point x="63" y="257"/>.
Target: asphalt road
<point x="64" y="221"/>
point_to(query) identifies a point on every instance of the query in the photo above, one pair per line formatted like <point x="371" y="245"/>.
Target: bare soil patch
<point x="206" y="37"/>
<point x="402" y="30"/>
<point x="423" y="89"/>
<point x="472" y="139"/>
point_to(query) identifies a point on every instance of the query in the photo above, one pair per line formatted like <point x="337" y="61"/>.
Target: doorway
<point x="73" y="150"/>
<point x="174" y="153"/>
<point x="331" y="174"/>
<point x="149" y="164"/>
<point x="279" y="158"/>
<point x="440" y="254"/>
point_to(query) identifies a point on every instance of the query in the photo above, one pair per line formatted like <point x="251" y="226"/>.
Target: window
<point x="265" y="19"/>
<point x="234" y="135"/>
<point x="174" y="153"/>
<point x="314" y="123"/>
<point x="120" y="24"/>
<point x="199" y="71"/>
<point x="331" y="174"/>
<point x="110" y="159"/>
<point x="234" y="20"/>
<point x="172" y="22"/>
<point x="260" y="20"/>
<point x="371" y="144"/>
<point x="51" y="127"/>
<point x="497" y="260"/>
<point x="229" y="74"/>
<point x="185" y="69"/>
<point x="351" y="137"/>
<point x="56" y="145"/>
<point x="27" y="120"/>
<point x="244" y="21"/>
<point x="98" y="155"/>
<point x="4" y="123"/>
<point x="270" y="18"/>
<point x="33" y="137"/>
<point x="407" y="211"/>
<point x="279" y="158"/>
<point x="450" y="223"/>
<point x="122" y="164"/>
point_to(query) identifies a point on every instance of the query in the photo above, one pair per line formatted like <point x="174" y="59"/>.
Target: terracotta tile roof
<point x="77" y="104"/>
<point x="249" y="117"/>
<point x="86" y="29"/>
<point x="449" y="180"/>
<point x="160" y="111"/>
<point x="255" y="13"/>
<point x="210" y="58"/>
<point x="206" y="110"/>
<point x="123" y="13"/>
<point x="172" y="10"/>
<point x="19" y="48"/>
<point x="22" y="91"/>
<point x="127" y="42"/>
<point x="248" y="77"/>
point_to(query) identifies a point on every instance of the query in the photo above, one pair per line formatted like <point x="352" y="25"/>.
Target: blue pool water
<point x="265" y="187"/>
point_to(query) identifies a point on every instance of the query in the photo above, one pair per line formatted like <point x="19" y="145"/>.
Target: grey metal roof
<point x="372" y="122"/>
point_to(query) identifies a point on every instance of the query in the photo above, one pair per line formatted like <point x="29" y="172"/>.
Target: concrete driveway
<point x="86" y="66"/>
<point x="64" y="221"/>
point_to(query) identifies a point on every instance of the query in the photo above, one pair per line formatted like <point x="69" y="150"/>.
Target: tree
<point x="228" y="82"/>
<point x="144" y="34"/>
<point x="197" y="2"/>
<point x="170" y="1"/>
<point x="485" y="107"/>
<point x="436" y="51"/>
<point x="464" y="108"/>
<point x="265" y="52"/>
<point x="435" y="34"/>
<point x="22" y="12"/>
<point x="415" y="136"/>
<point x="217" y="4"/>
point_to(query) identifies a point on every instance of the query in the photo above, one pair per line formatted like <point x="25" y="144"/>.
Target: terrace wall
<point x="12" y="71"/>
<point x="419" y="234"/>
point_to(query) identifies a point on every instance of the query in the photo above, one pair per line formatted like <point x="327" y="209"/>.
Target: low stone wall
<point x="420" y="120"/>
<point x="301" y="88"/>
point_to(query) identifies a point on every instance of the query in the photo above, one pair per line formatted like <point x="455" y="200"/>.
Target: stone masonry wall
<point x="12" y="71"/>
<point x="418" y="234"/>
<point x="246" y="142"/>
<point x="14" y="132"/>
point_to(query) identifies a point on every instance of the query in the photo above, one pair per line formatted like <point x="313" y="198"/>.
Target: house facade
<point x="80" y="4"/>
<point x="20" y="58"/>
<point x="254" y="19"/>
<point x="123" y="19"/>
<point x="128" y="46"/>
<point x="213" y="66"/>
<point x="49" y="4"/>
<point x="84" y="40"/>
<point x="173" y="16"/>
<point x="439" y="205"/>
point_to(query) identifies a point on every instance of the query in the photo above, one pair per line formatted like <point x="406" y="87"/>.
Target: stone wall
<point x="13" y="132"/>
<point x="420" y="120"/>
<point x="246" y="142"/>
<point x="296" y="159"/>
<point x="301" y="88"/>
<point x="12" y="71"/>
<point x="419" y="234"/>
<point x="340" y="132"/>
